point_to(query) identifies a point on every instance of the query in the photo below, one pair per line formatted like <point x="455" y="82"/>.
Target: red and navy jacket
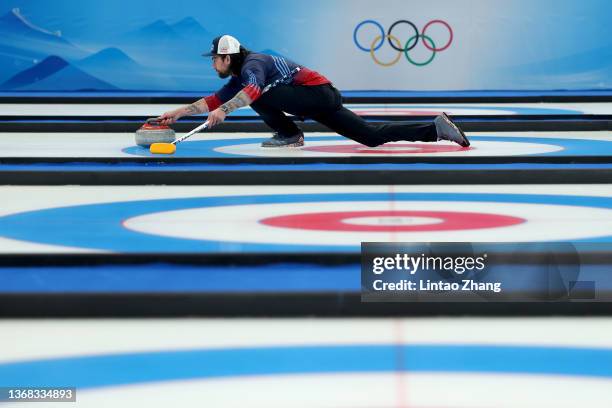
<point x="260" y="70"/>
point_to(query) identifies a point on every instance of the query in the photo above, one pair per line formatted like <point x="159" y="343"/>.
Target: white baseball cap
<point x="224" y="45"/>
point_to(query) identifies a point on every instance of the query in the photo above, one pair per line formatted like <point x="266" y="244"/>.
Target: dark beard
<point x="223" y="75"/>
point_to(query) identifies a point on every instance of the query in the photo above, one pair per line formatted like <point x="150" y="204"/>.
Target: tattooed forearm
<point x="241" y="99"/>
<point x="197" y="107"/>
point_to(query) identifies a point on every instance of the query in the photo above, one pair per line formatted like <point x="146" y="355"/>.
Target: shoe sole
<point x="464" y="142"/>
<point x="296" y="144"/>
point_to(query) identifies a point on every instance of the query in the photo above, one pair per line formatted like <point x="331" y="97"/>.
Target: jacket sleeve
<point x="224" y="94"/>
<point x="253" y="79"/>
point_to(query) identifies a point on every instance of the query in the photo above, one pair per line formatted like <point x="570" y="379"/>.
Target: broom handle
<point x="196" y="130"/>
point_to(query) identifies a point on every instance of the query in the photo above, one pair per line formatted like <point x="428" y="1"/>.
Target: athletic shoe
<point x="280" y="140"/>
<point x="447" y="130"/>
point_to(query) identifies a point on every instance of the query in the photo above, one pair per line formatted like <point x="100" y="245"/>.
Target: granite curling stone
<point x="153" y="132"/>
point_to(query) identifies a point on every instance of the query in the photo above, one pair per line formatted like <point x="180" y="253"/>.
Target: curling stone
<point x="153" y="132"/>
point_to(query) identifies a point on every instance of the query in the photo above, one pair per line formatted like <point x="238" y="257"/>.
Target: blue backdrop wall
<point x="154" y="45"/>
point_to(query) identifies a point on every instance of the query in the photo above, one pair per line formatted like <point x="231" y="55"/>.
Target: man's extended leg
<point x="348" y="124"/>
<point x="323" y="103"/>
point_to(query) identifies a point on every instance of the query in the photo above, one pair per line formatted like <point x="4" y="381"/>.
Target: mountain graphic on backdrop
<point x="23" y="44"/>
<point x="108" y="58"/>
<point x="105" y="65"/>
<point x="35" y="58"/>
<point x="158" y="32"/>
<point x="190" y="29"/>
<point x="17" y="32"/>
<point x="54" y="74"/>
<point x="185" y="34"/>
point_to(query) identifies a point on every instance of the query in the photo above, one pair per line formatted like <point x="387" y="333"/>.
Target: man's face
<point x="221" y="64"/>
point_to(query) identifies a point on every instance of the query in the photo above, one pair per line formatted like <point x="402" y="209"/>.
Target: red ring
<point x="333" y="221"/>
<point x="450" y="30"/>
<point x="414" y="148"/>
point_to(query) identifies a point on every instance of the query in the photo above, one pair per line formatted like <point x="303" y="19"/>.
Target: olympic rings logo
<point x="408" y="46"/>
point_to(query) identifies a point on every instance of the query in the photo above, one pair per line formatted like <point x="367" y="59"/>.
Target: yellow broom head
<point x="162" y="148"/>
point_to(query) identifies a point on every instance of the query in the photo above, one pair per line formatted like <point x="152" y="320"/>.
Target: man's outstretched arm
<point x="245" y="97"/>
<point x="196" y="108"/>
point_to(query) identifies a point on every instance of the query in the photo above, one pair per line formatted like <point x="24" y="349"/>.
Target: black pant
<point x="323" y="103"/>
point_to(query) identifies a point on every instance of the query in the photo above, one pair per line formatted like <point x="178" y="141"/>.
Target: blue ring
<point x="132" y="368"/>
<point x="382" y="35"/>
<point x="206" y="148"/>
<point x="70" y="226"/>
